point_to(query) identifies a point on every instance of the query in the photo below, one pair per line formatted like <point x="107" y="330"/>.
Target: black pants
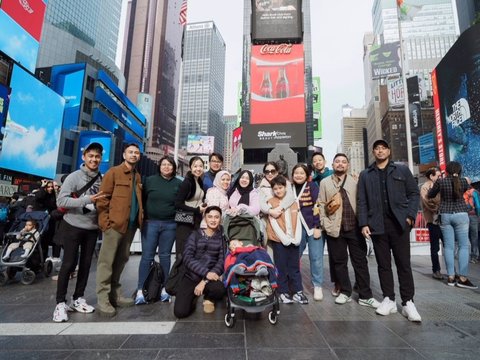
<point x="183" y="231"/>
<point x="74" y="239"/>
<point x="435" y="236"/>
<point x="185" y="300"/>
<point x="47" y="240"/>
<point x="397" y="242"/>
<point x="350" y="242"/>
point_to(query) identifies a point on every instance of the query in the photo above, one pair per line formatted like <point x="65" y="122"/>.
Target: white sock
<point x="139" y="293"/>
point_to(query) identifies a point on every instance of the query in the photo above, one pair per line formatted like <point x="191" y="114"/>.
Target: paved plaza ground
<point x="320" y="330"/>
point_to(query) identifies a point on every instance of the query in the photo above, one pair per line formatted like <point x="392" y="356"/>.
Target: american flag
<point x="182" y="19"/>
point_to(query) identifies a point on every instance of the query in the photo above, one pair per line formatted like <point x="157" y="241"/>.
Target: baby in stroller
<point x="27" y="237"/>
<point x="249" y="270"/>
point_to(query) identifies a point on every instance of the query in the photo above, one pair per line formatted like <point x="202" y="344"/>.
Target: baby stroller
<point x="240" y="295"/>
<point x="34" y="263"/>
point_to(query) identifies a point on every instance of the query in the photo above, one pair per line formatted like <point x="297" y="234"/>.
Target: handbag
<point x="335" y="201"/>
<point x="184" y="217"/>
<point x="177" y="273"/>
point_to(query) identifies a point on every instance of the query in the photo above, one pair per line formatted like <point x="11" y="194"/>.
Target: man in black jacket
<point x="388" y="198"/>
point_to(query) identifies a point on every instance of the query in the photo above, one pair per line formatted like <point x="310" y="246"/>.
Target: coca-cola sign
<point x="276" y="49"/>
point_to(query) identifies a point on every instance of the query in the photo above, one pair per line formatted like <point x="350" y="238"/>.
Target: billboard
<point x="104" y="139"/>
<point x="277" y="98"/>
<point x="200" y="145"/>
<point x="456" y="84"/>
<point x="385" y="60"/>
<point x="396" y="95"/>
<point x="317" y="108"/>
<point x="426" y="148"/>
<point x="33" y="126"/>
<point x="4" y="101"/>
<point x="27" y="14"/>
<point x="276" y="21"/>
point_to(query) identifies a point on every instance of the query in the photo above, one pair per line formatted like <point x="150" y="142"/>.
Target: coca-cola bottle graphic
<point x="266" y="86"/>
<point x="282" y="88"/>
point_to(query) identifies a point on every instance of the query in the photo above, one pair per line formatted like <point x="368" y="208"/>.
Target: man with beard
<point x="388" y="199"/>
<point x="343" y="234"/>
<point x="120" y="213"/>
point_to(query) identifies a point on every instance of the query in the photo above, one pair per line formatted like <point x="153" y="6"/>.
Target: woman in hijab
<point x="217" y="195"/>
<point x="242" y="197"/>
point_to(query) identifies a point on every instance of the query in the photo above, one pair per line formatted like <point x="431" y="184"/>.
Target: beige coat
<point x="429" y="206"/>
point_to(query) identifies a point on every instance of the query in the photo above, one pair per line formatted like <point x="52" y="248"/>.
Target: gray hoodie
<point x="76" y="215"/>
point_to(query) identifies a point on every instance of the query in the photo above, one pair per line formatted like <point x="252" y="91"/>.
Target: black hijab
<point x="244" y="191"/>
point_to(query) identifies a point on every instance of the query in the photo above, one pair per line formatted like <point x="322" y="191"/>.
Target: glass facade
<point x="203" y="83"/>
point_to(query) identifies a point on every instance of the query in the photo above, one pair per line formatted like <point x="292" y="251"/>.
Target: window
<point x="87" y="106"/>
<point x="68" y="147"/>
<point x="90" y="83"/>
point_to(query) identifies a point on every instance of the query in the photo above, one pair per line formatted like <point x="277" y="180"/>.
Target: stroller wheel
<point x="28" y="277"/>
<point x="47" y="268"/>
<point x="273" y="317"/>
<point x="230" y="320"/>
<point x="3" y="278"/>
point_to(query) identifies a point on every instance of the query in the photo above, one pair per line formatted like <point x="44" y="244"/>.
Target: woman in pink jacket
<point x="217" y="195"/>
<point x="242" y="197"/>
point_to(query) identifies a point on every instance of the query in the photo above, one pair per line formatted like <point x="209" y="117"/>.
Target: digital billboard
<point x="33" y="127"/>
<point x="200" y="145"/>
<point x="317" y="108"/>
<point x="4" y="101"/>
<point x="104" y="139"/>
<point x="385" y="60"/>
<point x="276" y="21"/>
<point x="456" y="88"/>
<point x="28" y="14"/>
<point x="277" y="98"/>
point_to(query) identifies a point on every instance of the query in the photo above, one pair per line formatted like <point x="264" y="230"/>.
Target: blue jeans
<point x="473" y="235"/>
<point x="156" y="234"/>
<point x="455" y="228"/>
<point x="315" y="255"/>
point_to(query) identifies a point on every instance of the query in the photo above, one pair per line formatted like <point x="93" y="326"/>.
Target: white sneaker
<point x="369" y="302"/>
<point x="342" y="299"/>
<point x="81" y="305"/>
<point x="410" y="312"/>
<point x="387" y="307"/>
<point x="60" y="313"/>
<point x="317" y="293"/>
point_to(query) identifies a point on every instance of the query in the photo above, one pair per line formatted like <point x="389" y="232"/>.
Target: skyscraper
<point x="151" y="61"/>
<point x="203" y="83"/>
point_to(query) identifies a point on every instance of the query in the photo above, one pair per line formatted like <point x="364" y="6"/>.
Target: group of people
<point x="313" y="207"/>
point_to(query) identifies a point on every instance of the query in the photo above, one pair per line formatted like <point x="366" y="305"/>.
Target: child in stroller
<point x="27" y="238"/>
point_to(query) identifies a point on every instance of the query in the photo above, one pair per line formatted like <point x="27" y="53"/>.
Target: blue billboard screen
<point x="87" y="137"/>
<point x="33" y="127"/>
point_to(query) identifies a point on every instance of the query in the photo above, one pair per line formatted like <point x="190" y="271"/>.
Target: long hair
<point x="454" y="169"/>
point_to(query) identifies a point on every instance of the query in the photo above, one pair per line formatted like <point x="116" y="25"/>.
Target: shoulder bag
<point x="335" y="201"/>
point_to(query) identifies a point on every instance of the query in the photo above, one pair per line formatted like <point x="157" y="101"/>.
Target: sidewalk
<point x="319" y="330"/>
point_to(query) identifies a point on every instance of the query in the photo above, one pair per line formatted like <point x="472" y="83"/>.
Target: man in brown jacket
<point x="120" y="213"/>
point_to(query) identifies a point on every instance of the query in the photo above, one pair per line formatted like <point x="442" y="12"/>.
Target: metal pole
<point x="179" y="108"/>
<point x="408" y="132"/>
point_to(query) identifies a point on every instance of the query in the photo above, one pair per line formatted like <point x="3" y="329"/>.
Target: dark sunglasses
<point x="266" y="172"/>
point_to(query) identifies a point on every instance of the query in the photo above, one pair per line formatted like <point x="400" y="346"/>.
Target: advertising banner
<point x="385" y="60"/>
<point x="4" y="101"/>
<point x="276" y="21"/>
<point x="456" y="89"/>
<point x="426" y="148"/>
<point x="200" y="145"/>
<point x="237" y="138"/>
<point x="28" y="14"/>
<point x="441" y="147"/>
<point x="33" y="127"/>
<point x="396" y="95"/>
<point x="317" y="108"/>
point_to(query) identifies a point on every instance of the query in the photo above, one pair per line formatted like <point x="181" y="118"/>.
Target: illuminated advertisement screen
<point x="276" y="20"/>
<point x="67" y="80"/>
<point x="277" y="99"/>
<point x="200" y="145"/>
<point x="17" y="43"/>
<point x="88" y="137"/>
<point x="33" y="127"/>
<point x="237" y="138"/>
<point x="4" y="101"/>
<point x="28" y="14"/>
<point x="456" y="83"/>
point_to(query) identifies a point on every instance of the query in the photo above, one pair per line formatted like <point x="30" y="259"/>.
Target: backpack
<point x="152" y="287"/>
<point x="177" y="273"/>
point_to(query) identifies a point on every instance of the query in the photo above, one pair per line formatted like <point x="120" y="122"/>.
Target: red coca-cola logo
<point x="276" y="49"/>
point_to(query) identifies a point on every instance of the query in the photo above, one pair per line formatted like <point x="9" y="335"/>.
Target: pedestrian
<point x="454" y="223"/>
<point x="159" y="228"/>
<point x="215" y="162"/>
<point x="343" y="234"/>
<point x="306" y="195"/>
<point x="120" y="213"/>
<point x="388" y="199"/>
<point x="79" y="230"/>
<point x="472" y="199"/>
<point x="430" y="213"/>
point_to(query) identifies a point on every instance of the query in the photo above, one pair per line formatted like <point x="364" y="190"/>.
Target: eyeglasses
<point x="216" y="161"/>
<point x="273" y="172"/>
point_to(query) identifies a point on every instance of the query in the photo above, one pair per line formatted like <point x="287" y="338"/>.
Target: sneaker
<point x="165" y="297"/>
<point x="106" y="309"/>
<point x="372" y="302"/>
<point x="437" y="275"/>
<point x="139" y="298"/>
<point x="410" y="312"/>
<point x="300" y="298"/>
<point x="261" y="271"/>
<point x="342" y="299"/>
<point x="208" y="306"/>
<point x="387" y="307"/>
<point x="81" y="305"/>
<point x="466" y="284"/>
<point x="286" y="299"/>
<point x="336" y="290"/>
<point x="60" y="313"/>
<point x="451" y="281"/>
<point x="473" y="260"/>
<point x="317" y="293"/>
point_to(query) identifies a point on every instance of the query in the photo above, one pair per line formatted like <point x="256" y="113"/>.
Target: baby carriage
<point x="34" y="263"/>
<point x="247" y="289"/>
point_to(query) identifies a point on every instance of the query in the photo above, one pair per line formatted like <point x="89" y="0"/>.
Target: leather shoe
<point x="122" y="302"/>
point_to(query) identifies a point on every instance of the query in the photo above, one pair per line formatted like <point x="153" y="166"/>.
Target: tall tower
<point x="203" y="83"/>
<point x="151" y="61"/>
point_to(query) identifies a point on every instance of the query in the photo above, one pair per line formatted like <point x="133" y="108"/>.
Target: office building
<point x="230" y="122"/>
